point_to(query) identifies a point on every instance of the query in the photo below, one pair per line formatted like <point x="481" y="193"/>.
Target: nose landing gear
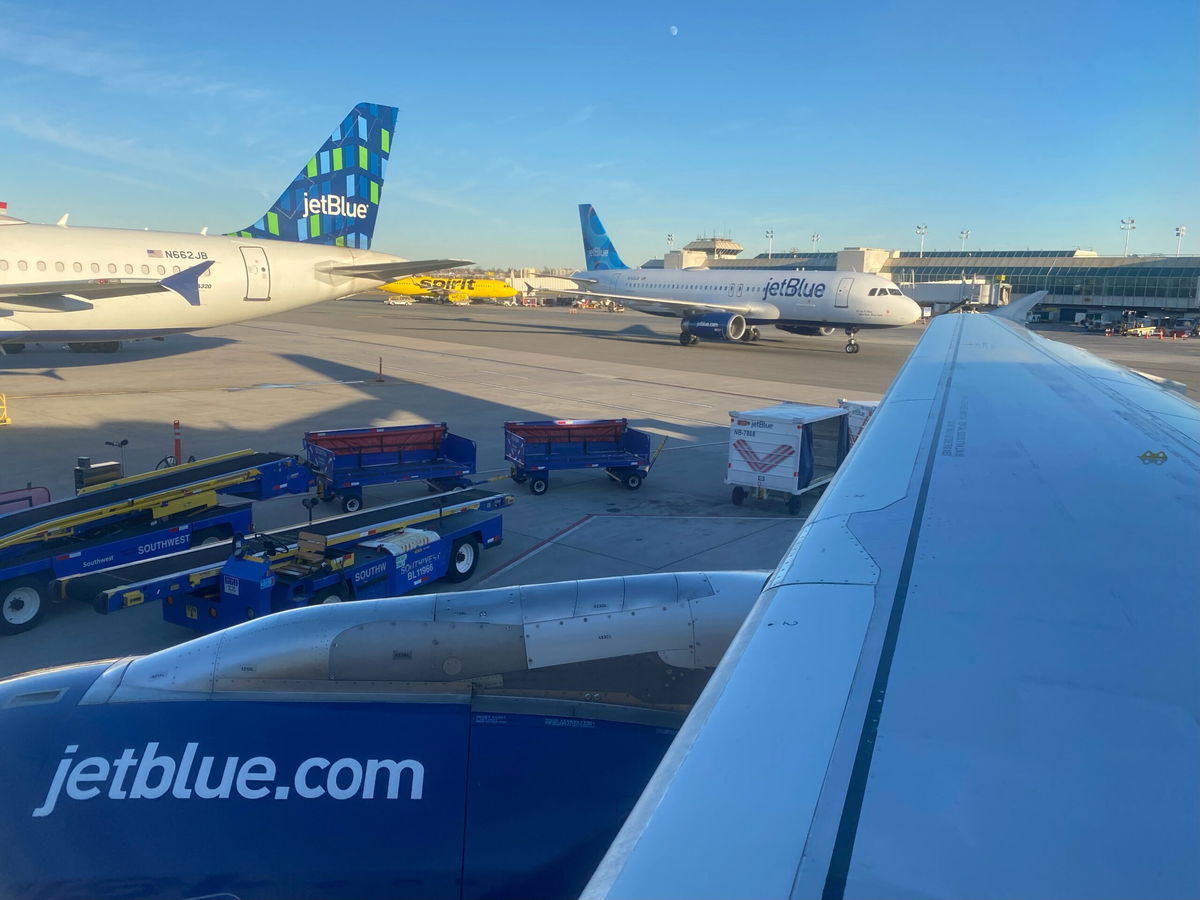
<point x="851" y="343"/>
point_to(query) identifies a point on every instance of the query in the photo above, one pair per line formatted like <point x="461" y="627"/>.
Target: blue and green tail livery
<point x="335" y="198"/>
<point x="597" y="248"/>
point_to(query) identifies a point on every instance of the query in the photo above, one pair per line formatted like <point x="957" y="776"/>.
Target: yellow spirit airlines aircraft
<point x="94" y="287"/>
<point x="448" y="290"/>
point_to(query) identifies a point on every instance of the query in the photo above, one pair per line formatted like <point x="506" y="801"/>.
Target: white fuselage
<point x="804" y="298"/>
<point x="249" y="278"/>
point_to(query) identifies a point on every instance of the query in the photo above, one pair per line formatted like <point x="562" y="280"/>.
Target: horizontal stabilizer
<point x="391" y="271"/>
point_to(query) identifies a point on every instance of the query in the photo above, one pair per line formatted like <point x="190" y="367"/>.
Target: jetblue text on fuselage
<point x="793" y="287"/>
<point x="333" y="205"/>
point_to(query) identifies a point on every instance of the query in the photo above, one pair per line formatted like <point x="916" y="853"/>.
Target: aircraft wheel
<point x="793" y="505"/>
<point x="685" y="339"/>
<point x="851" y="347"/>
<point x="632" y="480"/>
<point x="538" y="485"/>
<point x="755" y="334"/>
<point x="351" y="504"/>
<point x="22" y="603"/>
<point x="738" y="496"/>
<point x="464" y="557"/>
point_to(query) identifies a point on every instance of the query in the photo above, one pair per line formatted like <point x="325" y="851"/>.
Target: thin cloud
<point x="118" y="67"/>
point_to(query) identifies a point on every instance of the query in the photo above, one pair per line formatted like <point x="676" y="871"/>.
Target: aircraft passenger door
<point x="842" y="299"/>
<point x="258" y="274"/>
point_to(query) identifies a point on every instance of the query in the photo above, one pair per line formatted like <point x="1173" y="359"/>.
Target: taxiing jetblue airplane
<point x="940" y="692"/>
<point x="93" y="287"/>
<point x="729" y="305"/>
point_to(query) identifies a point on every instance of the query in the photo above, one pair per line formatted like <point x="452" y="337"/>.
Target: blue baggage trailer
<point x="537" y="448"/>
<point x="382" y="552"/>
<point x="345" y="461"/>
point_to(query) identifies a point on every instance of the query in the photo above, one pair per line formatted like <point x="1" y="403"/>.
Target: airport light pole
<point x="1127" y="226"/>
<point x="816" y="239"/>
<point x="670" y="240"/>
<point x="1180" y="231"/>
<point x="964" y="234"/>
<point x="770" y="235"/>
<point x="921" y="231"/>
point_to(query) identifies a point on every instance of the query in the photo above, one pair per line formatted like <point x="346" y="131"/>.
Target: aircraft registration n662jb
<point x="729" y="305"/>
<point x="93" y="287"/>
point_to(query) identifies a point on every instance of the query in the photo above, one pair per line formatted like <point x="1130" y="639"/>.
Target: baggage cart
<point x="345" y="461"/>
<point x="537" y="448"/>
<point x="785" y="450"/>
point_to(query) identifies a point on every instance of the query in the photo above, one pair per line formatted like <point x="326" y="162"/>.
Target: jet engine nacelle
<point x="822" y="331"/>
<point x="716" y="326"/>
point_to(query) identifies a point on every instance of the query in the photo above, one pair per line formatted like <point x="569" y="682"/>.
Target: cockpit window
<point x="873" y="292"/>
<point x="896" y="292"/>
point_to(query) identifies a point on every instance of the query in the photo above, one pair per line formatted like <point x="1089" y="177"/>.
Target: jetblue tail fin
<point x="335" y="198"/>
<point x="598" y="250"/>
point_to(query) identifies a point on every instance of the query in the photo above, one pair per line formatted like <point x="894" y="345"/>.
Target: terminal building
<point x="1078" y="281"/>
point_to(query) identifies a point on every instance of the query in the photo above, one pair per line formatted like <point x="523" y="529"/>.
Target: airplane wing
<point x="391" y="271"/>
<point x="660" y="305"/>
<point x="976" y="671"/>
<point x="69" y="296"/>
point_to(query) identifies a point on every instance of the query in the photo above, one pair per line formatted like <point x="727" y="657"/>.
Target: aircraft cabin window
<point x="41" y="266"/>
<point x="78" y="267"/>
<point x="60" y="267"/>
<point x="174" y="268"/>
<point x="95" y="267"/>
<point x="145" y="270"/>
<point x="128" y="269"/>
<point x="22" y="265"/>
<point x="162" y="270"/>
<point x="112" y="268"/>
<point x="3" y="265"/>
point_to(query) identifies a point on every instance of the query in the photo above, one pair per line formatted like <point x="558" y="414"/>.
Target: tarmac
<point x="358" y="363"/>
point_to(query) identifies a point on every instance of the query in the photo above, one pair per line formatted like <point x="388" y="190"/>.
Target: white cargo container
<point x="858" y="412"/>
<point x="790" y="448"/>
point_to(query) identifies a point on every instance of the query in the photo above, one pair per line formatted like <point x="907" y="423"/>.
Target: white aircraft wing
<point x="669" y="305"/>
<point x="392" y="271"/>
<point x="70" y="296"/>
<point x="976" y="673"/>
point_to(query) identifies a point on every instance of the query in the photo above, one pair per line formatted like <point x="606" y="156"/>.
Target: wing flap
<point x="1015" y="712"/>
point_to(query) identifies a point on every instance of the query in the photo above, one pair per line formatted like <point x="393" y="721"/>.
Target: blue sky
<point x="1034" y="123"/>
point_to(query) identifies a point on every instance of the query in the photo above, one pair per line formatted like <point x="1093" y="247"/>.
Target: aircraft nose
<point x="909" y="312"/>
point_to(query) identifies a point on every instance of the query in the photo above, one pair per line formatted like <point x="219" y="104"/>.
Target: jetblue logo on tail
<point x="598" y="250"/>
<point x="333" y="205"/>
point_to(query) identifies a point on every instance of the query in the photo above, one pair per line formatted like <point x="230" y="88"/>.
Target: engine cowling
<point x="814" y="330"/>
<point x="716" y="326"/>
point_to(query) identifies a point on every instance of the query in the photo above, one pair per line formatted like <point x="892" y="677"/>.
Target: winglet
<point x="1019" y="309"/>
<point x="186" y="283"/>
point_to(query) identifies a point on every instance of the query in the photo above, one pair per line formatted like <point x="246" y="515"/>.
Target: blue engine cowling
<point x="716" y="326"/>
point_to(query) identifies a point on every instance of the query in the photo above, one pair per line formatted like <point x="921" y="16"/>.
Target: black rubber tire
<point x="685" y="339"/>
<point x="167" y="462"/>
<point x="22" y="604"/>
<point x="793" y="505"/>
<point x="351" y="504"/>
<point x="632" y="480"/>
<point x="755" y="334"/>
<point x="738" y="496"/>
<point x="333" y="594"/>
<point x="464" y="559"/>
<point x="518" y="477"/>
<point x="852" y="348"/>
<point x="538" y="485"/>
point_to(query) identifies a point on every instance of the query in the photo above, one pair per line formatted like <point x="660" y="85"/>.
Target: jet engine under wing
<point x="391" y="271"/>
<point x="672" y="306"/>
<point x="976" y="672"/>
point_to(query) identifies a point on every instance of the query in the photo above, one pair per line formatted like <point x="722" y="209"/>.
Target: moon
<point x="674" y="31"/>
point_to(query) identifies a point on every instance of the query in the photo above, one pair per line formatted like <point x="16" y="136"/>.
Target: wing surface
<point x="975" y="672"/>
<point x="672" y="306"/>
<point x="391" y="271"/>
<point x="71" y="296"/>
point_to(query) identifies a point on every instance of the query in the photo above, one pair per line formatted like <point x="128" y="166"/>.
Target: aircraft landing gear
<point x="688" y="340"/>
<point x="851" y="343"/>
<point x="750" y="334"/>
